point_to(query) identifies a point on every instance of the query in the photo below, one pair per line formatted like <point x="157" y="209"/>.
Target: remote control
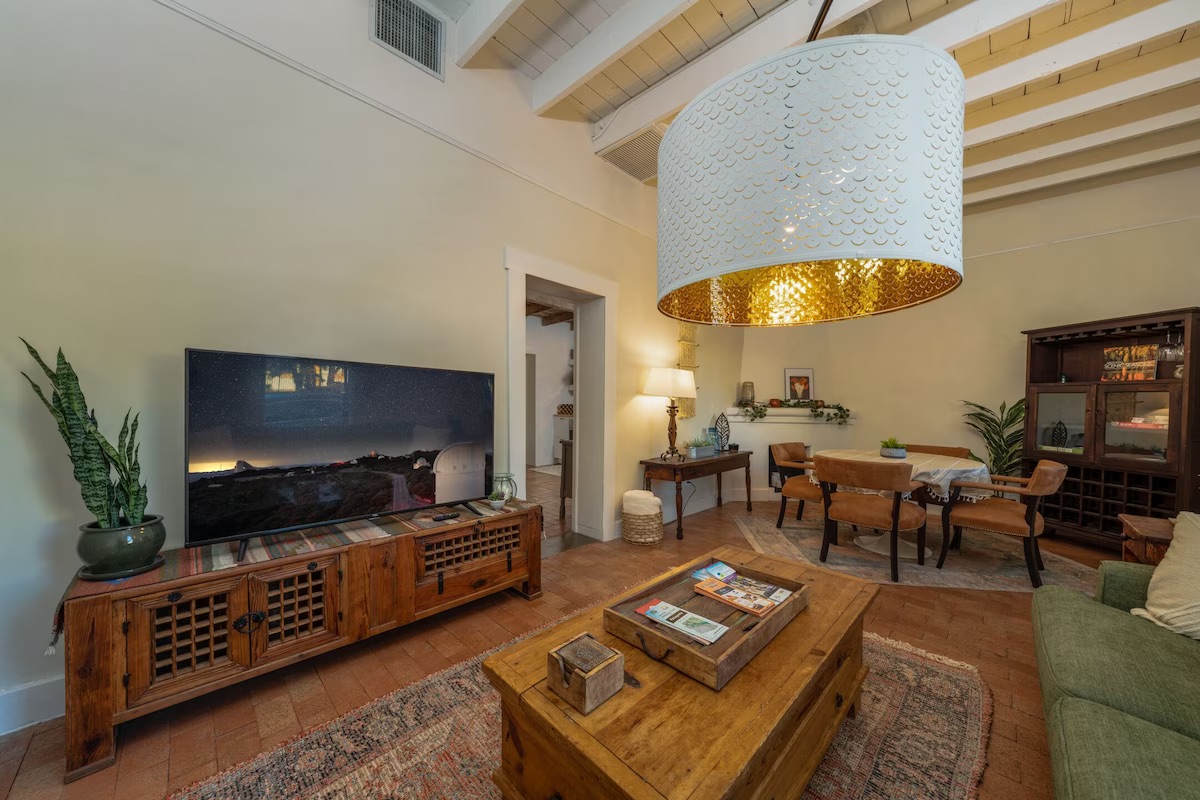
<point x="443" y="517"/>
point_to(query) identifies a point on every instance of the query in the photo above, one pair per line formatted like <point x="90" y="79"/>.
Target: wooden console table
<point x="203" y="621"/>
<point x="1146" y="538"/>
<point x="690" y="469"/>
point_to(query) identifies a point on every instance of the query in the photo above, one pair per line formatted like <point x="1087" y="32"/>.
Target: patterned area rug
<point x="921" y="732"/>
<point x="987" y="560"/>
<point x="549" y="469"/>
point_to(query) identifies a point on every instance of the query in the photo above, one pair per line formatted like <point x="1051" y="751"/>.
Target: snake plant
<point x="1002" y="432"/>
<point x="109" y="477"/>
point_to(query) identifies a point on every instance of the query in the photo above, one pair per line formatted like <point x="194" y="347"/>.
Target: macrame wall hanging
<point x="687" y="360"/>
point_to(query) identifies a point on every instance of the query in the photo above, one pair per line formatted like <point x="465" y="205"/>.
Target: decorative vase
<point x="722" y="432"/>
<point x="109" y="553"/>
<point x="746" y="394"/>
<point x="893" y="452"/>
<point x="503" y="482"/>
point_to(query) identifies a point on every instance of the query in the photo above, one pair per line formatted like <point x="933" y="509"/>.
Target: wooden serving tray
<point x="714" y="664"/>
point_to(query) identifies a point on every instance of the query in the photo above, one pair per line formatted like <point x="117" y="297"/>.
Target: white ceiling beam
<point x="963" y="21"/>
<point x="1088" y="38"/>
<point x="960" y="23"/>
<point x="1159" y="71"/>
<point x="1083" y="133"/>
<point x="780" y="29"/>
<point x="1141" y="158"/>
<point x="632" y="24"/>
<point x="478" y="24"/>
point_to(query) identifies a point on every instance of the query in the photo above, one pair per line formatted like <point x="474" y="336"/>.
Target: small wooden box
<point x="715" y="664"/>
<point x="584" y="672"/>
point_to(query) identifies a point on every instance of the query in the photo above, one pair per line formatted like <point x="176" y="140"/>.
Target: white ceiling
<point x="1058" y="90"/>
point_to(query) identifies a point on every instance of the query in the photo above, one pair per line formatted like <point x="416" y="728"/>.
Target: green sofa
<point x="1121" y="694"/>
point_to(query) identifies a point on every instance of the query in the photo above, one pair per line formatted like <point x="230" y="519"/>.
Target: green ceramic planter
<point x="118" y="552"/>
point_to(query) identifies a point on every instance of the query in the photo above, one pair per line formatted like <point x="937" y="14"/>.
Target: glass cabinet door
<point x="1062" y="419"/>
<point x="1136" y="424"/>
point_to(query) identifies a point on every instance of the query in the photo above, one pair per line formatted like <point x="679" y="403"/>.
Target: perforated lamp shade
<point x="669" y="382"/>
<point x="821" y="183"/>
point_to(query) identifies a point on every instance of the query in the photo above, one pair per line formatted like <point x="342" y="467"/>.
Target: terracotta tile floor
<point x="544" y="489"/>
<point x="171" y="749"/>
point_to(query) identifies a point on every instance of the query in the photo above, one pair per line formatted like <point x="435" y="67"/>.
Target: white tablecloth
<point x="936" y="472"/>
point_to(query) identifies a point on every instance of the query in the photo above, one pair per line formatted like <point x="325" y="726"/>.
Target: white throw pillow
<point x="1173" y="599"/>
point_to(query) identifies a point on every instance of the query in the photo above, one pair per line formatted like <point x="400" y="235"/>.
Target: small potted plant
<point x="496" y="500"/>
<point x="700" y="447"/>
<point x="123" y="540"/>
<point x="892" y="448"/>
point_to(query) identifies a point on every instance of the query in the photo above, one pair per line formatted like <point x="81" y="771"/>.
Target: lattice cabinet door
<point x="180" y="639"/>
<point x="294" y="608"/>
<point x="465" y="562"/>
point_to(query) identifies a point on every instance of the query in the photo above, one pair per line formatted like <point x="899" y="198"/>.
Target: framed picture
<point x="798" y="383"/>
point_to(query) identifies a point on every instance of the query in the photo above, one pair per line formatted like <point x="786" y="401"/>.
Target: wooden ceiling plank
<point x="588" y="12"/>
<point x="1073" y="49"/>
<point x="771" y="33"/>
<point x="555" y="319"/>
<point x="1127" y="121"/>
<point x="478" y="25"/>
<point x="557" y="19"/>
<point x="623" y="76"/>
<point x="684" y="38"/>
<point x="707" y="23"/>
<point x="736" y="13"/>
<point x="961" y="22"/>
<point x="642" y="65"/>
<point x="890" y="15"/>
<point x="619" y="34"/>
<point x="1164" y="69"/>
<point x="659" y="48"/>
<point x="539" y="33"/>
<point x="1097" y="163"/>
<point x="513" y="60"/>
<point x="520" y="44"/>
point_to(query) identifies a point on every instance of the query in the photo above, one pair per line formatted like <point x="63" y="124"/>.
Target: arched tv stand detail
<point x="202" y="621"/>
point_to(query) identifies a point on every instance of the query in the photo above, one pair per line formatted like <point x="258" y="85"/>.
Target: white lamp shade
<point x="821" y="183"/>
<point x="670" y="382"/>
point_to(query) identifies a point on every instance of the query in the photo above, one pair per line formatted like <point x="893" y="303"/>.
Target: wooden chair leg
<point x="829" y="537"/>
<point x="800" y="511"/>
<point x="782" y="510"/>
<point x="946" y="535"/>
<point x="1037" y="551"/>
<point x="895" y="554"/>
<point x="1031" y="562"/>
<point x="921" y="546"/>
<point x="854" y="528"/>
<point x="957" y="543"/>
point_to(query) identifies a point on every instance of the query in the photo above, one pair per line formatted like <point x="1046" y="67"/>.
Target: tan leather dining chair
<point x="923" y="496"/>
<point x="791" y="459"/>
<point x="1010" y="517"/>
<point x="870" y="510"/>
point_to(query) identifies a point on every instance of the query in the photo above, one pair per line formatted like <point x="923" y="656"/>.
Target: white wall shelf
<point x="782" y="416"/>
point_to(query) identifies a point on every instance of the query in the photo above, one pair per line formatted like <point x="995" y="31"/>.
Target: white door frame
<point x="598" y="523"/>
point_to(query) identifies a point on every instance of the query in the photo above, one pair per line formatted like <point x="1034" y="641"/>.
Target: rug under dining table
<point x="988" y="561"/>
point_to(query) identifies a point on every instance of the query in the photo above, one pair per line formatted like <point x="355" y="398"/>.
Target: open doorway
<point x="550" y="403"/>
<point x="590" y="507"/>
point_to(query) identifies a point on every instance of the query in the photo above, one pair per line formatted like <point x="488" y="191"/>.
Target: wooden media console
<point x="203" y="621"/>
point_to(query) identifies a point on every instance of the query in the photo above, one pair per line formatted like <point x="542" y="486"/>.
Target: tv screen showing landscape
<point x="277" y="443"/>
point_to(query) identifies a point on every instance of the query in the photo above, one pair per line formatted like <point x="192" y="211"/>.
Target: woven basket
<point x="642" y="528"/>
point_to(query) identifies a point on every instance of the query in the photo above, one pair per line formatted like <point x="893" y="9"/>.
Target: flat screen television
<point x="279" y="443"/>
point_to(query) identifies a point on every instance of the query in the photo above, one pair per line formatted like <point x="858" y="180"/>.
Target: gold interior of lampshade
<point x="810" y="291"/>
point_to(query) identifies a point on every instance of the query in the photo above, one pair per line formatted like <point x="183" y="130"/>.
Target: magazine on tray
<point x="723" y="572"/>
<point x="699" y="628"/>
<point x="745" y="601"/>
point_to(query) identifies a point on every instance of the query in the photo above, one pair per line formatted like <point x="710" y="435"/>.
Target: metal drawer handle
<point x="479" y="583"/>
<point x="646" y="649"/>
<point x="248" y="623"/>
<point x="838" y="700"/>
<point x="174" y="597"/>
<point x="312" y="566"/>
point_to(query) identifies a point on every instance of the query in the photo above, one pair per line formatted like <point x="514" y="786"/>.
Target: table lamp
<point x="672" y="383"/>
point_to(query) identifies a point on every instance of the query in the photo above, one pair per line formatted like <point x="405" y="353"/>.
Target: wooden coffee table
<point x="665" y="735"/>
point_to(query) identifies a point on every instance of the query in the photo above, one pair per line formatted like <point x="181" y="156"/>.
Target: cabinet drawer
<point x="449" y="588"/>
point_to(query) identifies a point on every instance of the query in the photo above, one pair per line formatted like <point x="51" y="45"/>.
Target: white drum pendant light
<point x="821" y="183"/>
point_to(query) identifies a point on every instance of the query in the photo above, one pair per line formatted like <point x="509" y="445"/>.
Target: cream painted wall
<point x="166" y="187"/>
<point x="1122" y="249"/>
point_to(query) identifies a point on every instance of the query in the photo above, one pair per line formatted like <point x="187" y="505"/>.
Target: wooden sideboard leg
<point x="91" y="738"/>
<point x="532" y="545"/>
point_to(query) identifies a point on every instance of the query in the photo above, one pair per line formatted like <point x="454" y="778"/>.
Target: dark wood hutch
<point x="1131" y="447"/>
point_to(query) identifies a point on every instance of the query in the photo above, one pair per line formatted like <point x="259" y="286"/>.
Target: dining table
<point x="937" y="472"/>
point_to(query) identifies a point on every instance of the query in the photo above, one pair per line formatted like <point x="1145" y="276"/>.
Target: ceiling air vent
<point x="412" y="31"/>
<point x="637" y="155"/>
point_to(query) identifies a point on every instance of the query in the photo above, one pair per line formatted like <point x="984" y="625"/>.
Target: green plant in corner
<point x="113" y="501"/>
<point x="892" y="444"/>
<point x="701" y="441"/>
<point x="1002" y="432"/>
